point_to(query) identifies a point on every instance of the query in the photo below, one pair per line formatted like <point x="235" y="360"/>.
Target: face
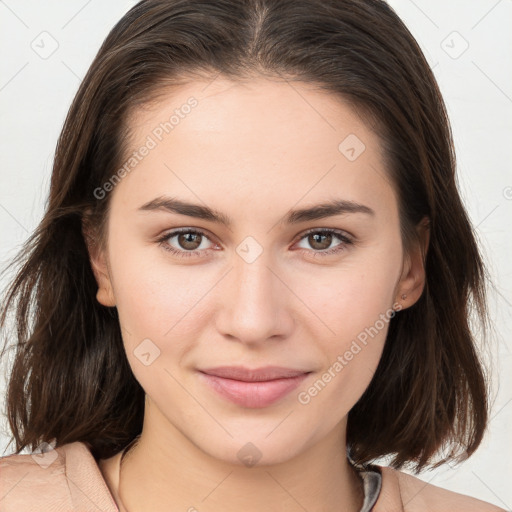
<point x="266" y="285"/>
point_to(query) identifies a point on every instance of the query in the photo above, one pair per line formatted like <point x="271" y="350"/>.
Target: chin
<point x="256" y="450"/>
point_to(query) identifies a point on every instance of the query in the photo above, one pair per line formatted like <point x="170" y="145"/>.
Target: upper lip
<point x="253" y="375"/>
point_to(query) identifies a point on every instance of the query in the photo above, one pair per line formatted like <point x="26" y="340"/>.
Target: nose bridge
<point x="253" y="309"/>
<point x="254" y="281"/>
<point x="252" y="272"/>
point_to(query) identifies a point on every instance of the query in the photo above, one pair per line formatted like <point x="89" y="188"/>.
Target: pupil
<point x="189" y="239"/>
<point x="325" y="236"/>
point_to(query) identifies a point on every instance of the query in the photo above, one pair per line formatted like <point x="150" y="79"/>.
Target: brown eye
<point x="320" y="240"/>
<point x="189" y="240"/>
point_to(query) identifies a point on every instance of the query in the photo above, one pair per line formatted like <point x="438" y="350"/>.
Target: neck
<point x="174" y="474"/>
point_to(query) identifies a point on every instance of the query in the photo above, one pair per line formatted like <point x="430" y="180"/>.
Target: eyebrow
<point x="319" y="211"/>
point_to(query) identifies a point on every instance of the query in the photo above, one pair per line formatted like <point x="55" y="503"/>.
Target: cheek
<point x="354" y="305"/>
<point x="159" y="300"/>
<point x="351" y="357"/>
<point x="352" y="296"/>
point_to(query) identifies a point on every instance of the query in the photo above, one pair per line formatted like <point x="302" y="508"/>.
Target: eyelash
<point x="163" y="242"/>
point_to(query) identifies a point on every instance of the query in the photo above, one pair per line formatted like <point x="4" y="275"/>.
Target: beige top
<point x="68" y="478"/>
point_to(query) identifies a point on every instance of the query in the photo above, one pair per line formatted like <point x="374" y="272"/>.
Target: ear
<point x="413" y="278"/>
<point x="99" y="265"/>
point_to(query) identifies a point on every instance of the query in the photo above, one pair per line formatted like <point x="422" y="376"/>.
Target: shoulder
<point x="63" y="478"/>
<point x="401" y="491"/>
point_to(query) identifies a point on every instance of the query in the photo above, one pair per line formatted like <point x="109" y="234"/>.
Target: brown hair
<point x="70" y="379"/>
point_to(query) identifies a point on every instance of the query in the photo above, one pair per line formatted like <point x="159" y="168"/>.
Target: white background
<point x="469" y="46"/>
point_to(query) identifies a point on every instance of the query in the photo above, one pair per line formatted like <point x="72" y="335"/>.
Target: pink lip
<point x="253" y="388"/>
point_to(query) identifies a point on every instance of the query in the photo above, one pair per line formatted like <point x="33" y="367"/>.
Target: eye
<point x="189" y="239"/>
<point x="322" y="239"/>
<point x="189" y="242"/>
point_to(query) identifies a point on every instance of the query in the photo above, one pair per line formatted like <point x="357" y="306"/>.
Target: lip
<point x="253" y="374"/>
<point x="254" y="388"/>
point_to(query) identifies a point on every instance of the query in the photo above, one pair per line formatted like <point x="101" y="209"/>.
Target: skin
<point x="252" y="151"/>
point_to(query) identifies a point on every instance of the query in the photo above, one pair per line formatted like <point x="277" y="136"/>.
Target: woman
<point x="241" y="291"/>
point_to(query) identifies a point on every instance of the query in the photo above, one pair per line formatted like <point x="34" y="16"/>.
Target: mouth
<point x="256" y="388"/>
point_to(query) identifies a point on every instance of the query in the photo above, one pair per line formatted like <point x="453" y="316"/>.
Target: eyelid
<point x="340" y="232"/>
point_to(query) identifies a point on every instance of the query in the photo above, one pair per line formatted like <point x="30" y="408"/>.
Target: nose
<point x="254" y="303"/>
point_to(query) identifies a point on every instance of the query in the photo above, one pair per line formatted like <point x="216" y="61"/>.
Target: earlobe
<point x="105" y="294"/>
<point x="99" y="265"/>
<point x="412" y="282"/>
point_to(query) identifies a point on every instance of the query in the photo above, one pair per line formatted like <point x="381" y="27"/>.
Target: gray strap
<point x="372" y="482"/>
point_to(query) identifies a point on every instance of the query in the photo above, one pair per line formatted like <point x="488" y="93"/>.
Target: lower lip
<point x="253" y="394"/>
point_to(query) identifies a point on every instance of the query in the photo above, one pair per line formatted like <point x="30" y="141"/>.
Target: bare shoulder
<point x="419" y="496"/>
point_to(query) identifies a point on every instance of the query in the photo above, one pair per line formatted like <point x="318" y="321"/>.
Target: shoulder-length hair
<point x="70" y="378"/>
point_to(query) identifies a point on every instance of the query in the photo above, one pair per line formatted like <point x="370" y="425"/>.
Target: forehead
<point x="287" y="142"/>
